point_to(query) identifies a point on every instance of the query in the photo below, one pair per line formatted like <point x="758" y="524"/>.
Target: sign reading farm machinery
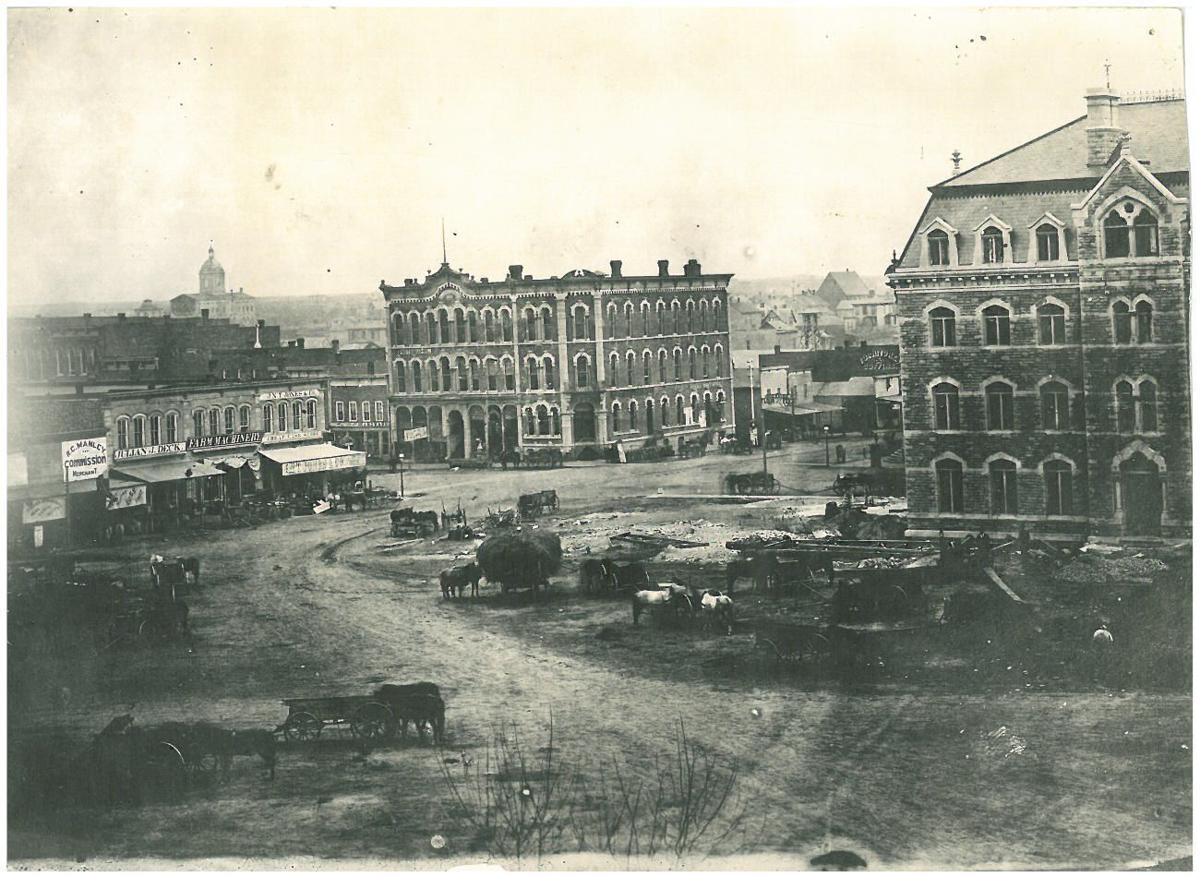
<point x="84" y="459"/>
<point x="206" y="442"/>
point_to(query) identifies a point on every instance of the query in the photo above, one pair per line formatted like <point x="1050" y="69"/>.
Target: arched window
<point x="706" y="361"/>
<point x="268" y="416"/>
<point x="447" y="377"/>
<point x="1059" y="487"/>
<point x="549" y="331"/>
<point x="662" y="366"/>
<point x="679" y="415"/>
<point x="531" y="324"/>
<point x="297" y="414"/>
<point x="1126" y="409"/>
<point x="506" y="326"/>
<point x="581" y="372"/>
<point x="548" y="373"/>
<point x="993" y="245"/>
<point x="721" y="404"/>
<point x="677" y="357"/>
<point x="460" y="326"/>
<point x="460" y="366"/>
<point x="172" y="427"/>
<point x="435" y="380"/>
<point x="1052" y="324"/>
<point x="691" y="317"/>
<point x="692" y="373"/>
<point x="243" y="419"/>
<point x="1144" y="312"/>
<point x="949" y="485"/>
<point x="996" y="326"/>
<point x="444" y="327"/>
<point x="531" y="365"/>
<point x="650" y="416"/>
<point x="123" y="432"/>
<point x="610" y="319"/>
<point x="945" y="406"/>
<point x="530" y="423"/>
<point x="941" y="327"/>
<point x="154" y="422"/>
<point x="628" y="319"/>
<point x="1047" y="243"/>
<point x="939" y="247"/>
<point x="1147" y="406"/>
<point x="312" y="413"/>
<point x="719" y="353"/>
<point x="401" y="384"/>
<point x="582" y="325"/>
<point x="543" y="419"/>
<point x="677" y="315"/>
<point x="633" y="415"/>
<point x="510" y="376"/>
<point x="1145" y="234"/>
<point x="630" y="368"/>
<point x="999" y="397"/>
<point x="197" y="423"/>
<point x="414" y="328"/>
<point x="614" y="361"/>
<point x="473" y="326"/>
<point x="214" y="421"/>
<point x="1122" y="323"/>
<point x="555" y="421"/>
<point x="1116" y="235"/>
<point x="1055" y="406"/>
<point x="489" y="326"/>
<point x="647" y="362"/>
<point x="718" y="316"/>
<point x="646" y="318"/>
<point x="616" y="416"/>
<point x="704" y="324"/>
<point x="417" y="377"/>
<point x="492" y="368"/>
<point x="1002" y="474"/>
<point x="664" y="410"/>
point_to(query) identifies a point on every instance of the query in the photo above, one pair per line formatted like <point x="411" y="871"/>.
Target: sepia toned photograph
<point x="598" y="439"/>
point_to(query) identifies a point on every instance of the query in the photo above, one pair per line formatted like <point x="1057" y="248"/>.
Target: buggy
<point x="408" y="522"/>
<point x="752" y="483"/>
<point x="531" y="505"/>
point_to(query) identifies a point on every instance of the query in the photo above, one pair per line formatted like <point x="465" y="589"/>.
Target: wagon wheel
<point x="165" y="767"/>
<point x="205" y="763"/>
<point x="373" y="721"/>
<point x="814" y="648"/>
<point x="766" y="654"/>
<point x="153" y="627"/>
<point x="302" y="727"/>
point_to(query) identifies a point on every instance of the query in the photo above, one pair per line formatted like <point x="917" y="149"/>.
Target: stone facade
<point x="1043" y="314"/>
<point x="574" y="362"/>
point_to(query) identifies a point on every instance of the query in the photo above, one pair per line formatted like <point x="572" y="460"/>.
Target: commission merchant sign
<point x="148" y="451"/>
<point x="85" y="458"/>
<point x="356" y="460"/>
<point x="208" y="442"/>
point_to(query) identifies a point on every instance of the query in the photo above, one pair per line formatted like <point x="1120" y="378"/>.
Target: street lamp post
<point x="825" y="429"/>
<point x="401" y="476"/>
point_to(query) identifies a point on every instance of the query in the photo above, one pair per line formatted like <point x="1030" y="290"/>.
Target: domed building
<point x="237" y="307"/>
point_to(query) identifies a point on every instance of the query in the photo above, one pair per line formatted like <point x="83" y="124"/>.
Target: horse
<point x="668" y="597"/>
<point x="758" y="567"/>
<point x="423" y="710"/>
<point x="717" y="608"/>
<point x="454" y="580"/>
<point x="255" y="741"/>
<point x="627" y="575"/>
<point x="391" y="691"/>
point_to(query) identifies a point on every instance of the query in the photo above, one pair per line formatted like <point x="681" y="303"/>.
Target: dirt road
<point x="318" y="605"/>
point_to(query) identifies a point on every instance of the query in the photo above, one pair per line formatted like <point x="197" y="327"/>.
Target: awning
<point x="803" y="408"/>
<point x="167" y="470"/>
<point x="315" y="458"/>
<point x="235" y="461"/>
<point x="49" y="490"/>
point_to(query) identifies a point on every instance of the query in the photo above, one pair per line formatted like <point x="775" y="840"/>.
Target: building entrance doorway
<point x="1141" y="496"/>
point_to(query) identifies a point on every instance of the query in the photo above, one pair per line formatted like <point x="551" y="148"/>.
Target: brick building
<point x="573" y="362"/>
<point x="1043" y="307"/>
<point x="359" y="415"/>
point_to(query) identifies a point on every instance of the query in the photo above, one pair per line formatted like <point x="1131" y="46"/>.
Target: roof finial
<point x="445" y="261"/>
<point x="1107" y="83"/>
<point x="210" y="247"/>
<point x="956" y="157"/>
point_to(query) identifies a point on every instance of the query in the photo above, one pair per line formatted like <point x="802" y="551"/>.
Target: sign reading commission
<point x="206" y="442"/>
<point x="84" y="459"/>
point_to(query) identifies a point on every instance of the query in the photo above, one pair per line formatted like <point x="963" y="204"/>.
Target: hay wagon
<point x="368" y="717"/>
<point x="778" y="644"/>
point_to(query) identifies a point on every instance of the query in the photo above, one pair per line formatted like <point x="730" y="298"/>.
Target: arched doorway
<point x="478" y="427"/>
<point x="456" y="441"/>
<point x="511" y="431"/>
<point x="584" y="422"/>
<point x="1141" y="496"/>
<point x="495" y="432"/>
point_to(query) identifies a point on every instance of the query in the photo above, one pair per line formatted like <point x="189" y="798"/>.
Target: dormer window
<point x="1047" y="243"/>
<point x="1130" y="230"/>
<point x="939" y="247"/>
<point x="1145" y="234"/>
<point x="993" y="245"/>
<point x="1116" y="235"/>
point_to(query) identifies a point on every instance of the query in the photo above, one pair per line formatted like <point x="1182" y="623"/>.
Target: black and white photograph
<point x="598" y="438"/>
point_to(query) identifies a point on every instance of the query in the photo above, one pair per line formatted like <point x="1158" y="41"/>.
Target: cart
<point x="367" y="717"/>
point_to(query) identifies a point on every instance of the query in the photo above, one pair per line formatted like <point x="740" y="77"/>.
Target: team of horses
<point x="675" y="603"/>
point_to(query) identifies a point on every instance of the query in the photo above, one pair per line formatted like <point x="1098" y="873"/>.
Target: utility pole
<point x="401" y="476"/>
<point x="762" y="421"/>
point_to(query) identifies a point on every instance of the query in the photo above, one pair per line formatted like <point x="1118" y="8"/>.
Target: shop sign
<point x="207" y="442"/>
<point x="370" y="424"/>
<point x="420" y="432"/>
<point x="35" y="511"/>
<point x="296" y="435"/>
<point x="18" y="470"/>
<point x="272" y="395"/>
<point x="85" y="459"/>
<point x="880" y="361"/>
<point x="149" y="451"/>
<point x="125" y="497"/>
<point x="325" y="464"/>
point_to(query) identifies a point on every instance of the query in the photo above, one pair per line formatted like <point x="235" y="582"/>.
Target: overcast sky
<point x="321" y="148"/>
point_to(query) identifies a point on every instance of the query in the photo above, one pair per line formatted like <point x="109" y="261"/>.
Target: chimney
<point x="691" y="269"/>
<point x="291" y="343"/>
<point x="203" y="314"/>
<point x="1103" y="126"/>
<point x="514" y="272"/>
<point x="121" y="315"/>
<point x="777" y="349"/>
<point x="87" y="316"/>
<point x="615" y="265"/>
<point x="300" y="343"/>
<point x="662" y="268"/>
<point x="335" y="343"/>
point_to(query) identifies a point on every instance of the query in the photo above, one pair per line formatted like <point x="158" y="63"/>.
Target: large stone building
<point x="1042" y="298"/>
<point x="574" y="362"/>
<point x="237" y="307"/>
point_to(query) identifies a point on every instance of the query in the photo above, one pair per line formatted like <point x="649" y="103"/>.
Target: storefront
<point x="310" y="470"/>
<point x="174" y="490"/>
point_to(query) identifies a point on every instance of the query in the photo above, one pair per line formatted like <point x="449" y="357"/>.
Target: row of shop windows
<point x="1058" y="479"/>
<point x="1135" y="403"/>
<point x="1132" y="323"/>
<point x="148" y="430"/>
<point x="545" y="420"/>
<point x="340" y="407"/>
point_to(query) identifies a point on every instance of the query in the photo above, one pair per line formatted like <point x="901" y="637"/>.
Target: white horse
<point x="666" y="597"/>
<point x="717" y="608"/>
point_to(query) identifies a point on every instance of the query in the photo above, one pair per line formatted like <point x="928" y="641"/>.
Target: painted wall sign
<point x="880" y="361"/>
<point x="205" y="442"/>
<point x="35" y="511"/>
<point x="297" y="435"/>
<point x="325" y="464"/>
<point x="289" y="394"/>
<point x="85" y="458"/>
<point x="149" y="451"/>
<point x="420" y="432"/>
<point x="365" y="424"/>
<point x="126" y="497"/>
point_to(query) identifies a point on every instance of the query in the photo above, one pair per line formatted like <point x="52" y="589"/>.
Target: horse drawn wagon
<point x="376" y="716"/>
<point x="531" y="505"/>
<point x="778" y="644"/>
<point x="752" y="483"/>
<point x="541" y="458"/>
<point x="410" y="523"/>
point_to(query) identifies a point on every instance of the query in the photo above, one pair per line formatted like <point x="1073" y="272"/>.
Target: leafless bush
<point x="523" y="803"/>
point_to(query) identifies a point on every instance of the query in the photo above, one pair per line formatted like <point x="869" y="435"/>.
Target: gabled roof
<point x="842" y="284"/>
<point x="1159" y="130"/>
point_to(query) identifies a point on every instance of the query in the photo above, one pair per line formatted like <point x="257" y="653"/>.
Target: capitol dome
<point x="212" y="276"/>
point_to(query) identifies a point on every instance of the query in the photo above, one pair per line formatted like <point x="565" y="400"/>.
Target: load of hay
<point x="520" y="558"/>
